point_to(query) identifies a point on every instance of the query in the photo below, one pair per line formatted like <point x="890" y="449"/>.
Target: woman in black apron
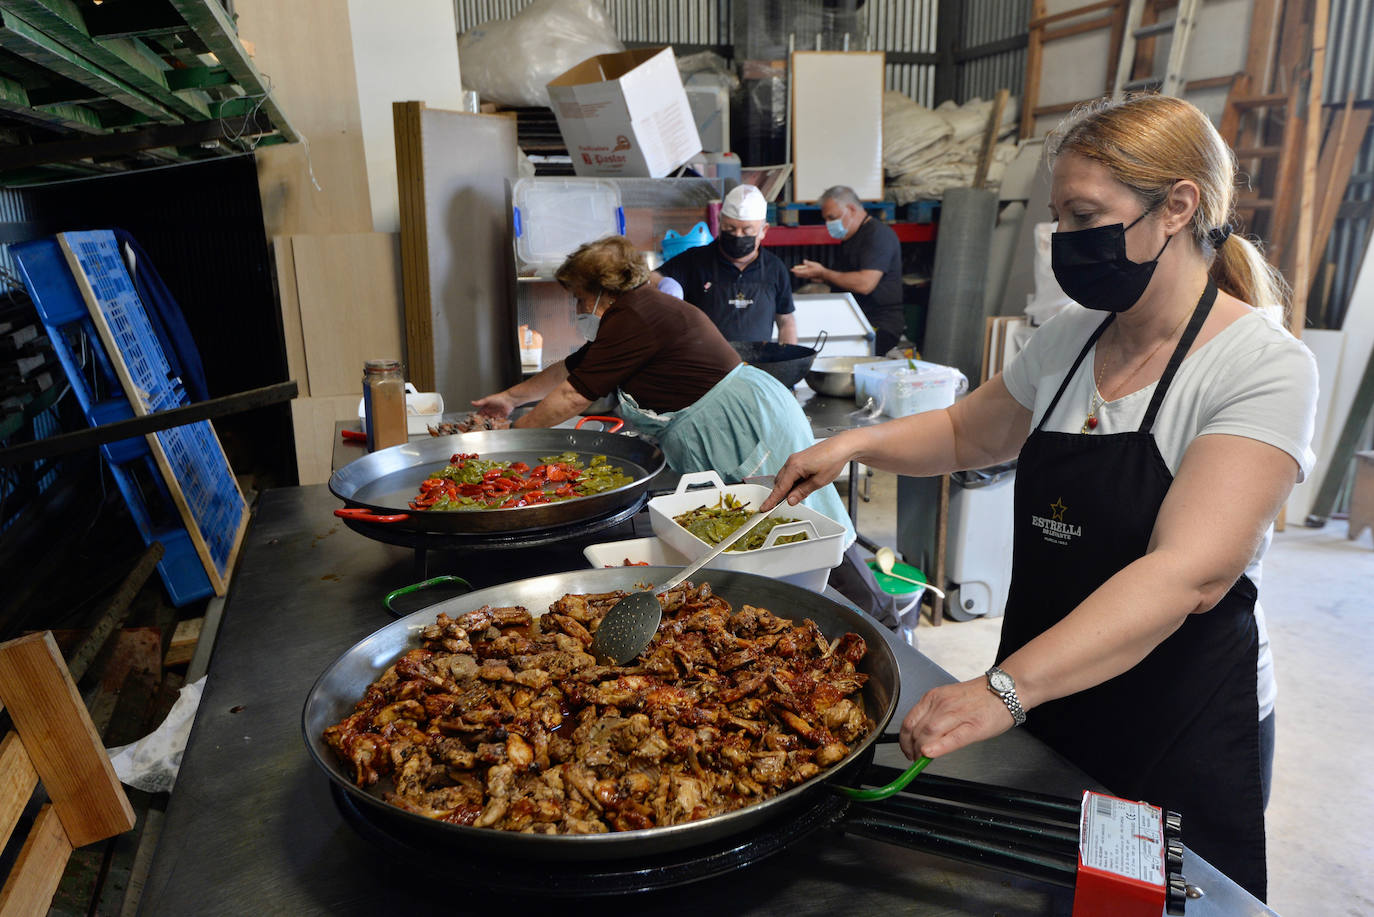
<point x="1129" y="642"/>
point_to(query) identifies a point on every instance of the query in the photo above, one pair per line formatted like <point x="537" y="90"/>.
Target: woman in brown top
<point x="679" y="381"/>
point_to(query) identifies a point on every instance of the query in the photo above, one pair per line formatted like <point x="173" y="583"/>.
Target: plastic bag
<point x="151" y="763"/>
<point x="510" y="61"/>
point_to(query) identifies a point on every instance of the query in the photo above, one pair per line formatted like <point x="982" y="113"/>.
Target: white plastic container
<point x="655" y="552"/>
<point x="422" y="410"/>
<point x="822" y="549"/>
<point x="902" y="391"/>
<point x="553" y="216"/>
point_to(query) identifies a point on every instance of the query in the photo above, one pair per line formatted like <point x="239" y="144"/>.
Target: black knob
<point x="1176" y="896"/>
<point x="1173" y="855"/>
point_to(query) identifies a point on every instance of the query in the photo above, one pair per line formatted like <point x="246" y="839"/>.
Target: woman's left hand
<point x="951" y="716"/>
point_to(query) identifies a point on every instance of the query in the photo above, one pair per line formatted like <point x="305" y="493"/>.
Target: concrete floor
<point x="1316" y="591"/>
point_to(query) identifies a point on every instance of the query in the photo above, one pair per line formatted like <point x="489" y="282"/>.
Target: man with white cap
<point x="742" y="288"/>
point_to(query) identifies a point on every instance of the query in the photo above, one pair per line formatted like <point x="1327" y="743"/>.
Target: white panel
<point x="837" y="122"/>
<point x="401" y="52"/>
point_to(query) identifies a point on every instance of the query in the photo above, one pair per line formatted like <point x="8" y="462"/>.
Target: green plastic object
<point x="891" y="789"/>
<point x="893" y="586"/>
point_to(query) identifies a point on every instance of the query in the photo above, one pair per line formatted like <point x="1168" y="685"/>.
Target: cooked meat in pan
<point x="500" y="721"/>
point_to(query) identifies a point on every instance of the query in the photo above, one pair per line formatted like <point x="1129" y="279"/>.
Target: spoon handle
<point x="916" y="582"/>
<point x="721" y="545"/>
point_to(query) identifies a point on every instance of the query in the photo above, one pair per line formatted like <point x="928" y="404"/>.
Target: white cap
<point x="745" y="202"/>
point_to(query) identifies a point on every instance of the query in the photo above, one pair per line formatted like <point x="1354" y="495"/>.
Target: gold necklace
<point x="1090" y="423"/>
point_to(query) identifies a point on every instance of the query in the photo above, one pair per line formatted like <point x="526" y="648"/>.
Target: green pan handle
<point x="417" y="587"/>
<point x="891" y="789"/>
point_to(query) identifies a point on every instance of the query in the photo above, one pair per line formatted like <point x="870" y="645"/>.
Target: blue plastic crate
<point x="192" y="451"/>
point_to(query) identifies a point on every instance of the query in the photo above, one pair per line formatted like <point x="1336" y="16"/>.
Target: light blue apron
<point x="747" y="424"/>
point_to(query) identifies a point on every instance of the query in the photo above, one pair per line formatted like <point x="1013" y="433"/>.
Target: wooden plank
<point x="1287" y="178"/>
<point x="410" y="182"/>
<point x="1301" y="245"/>
<point x="288" y="302"/>
<point x="312" y="420"/>
<point x="38" y="869"/>
<point x="213" y="26"/>
<point x="319" y="185"/>
<point x="20" y="38"/>
<point x="999" y="104"/>
<point x="1333" y="173"/>
<point x="348" y="290"/>
<point x="121" y="57"/>
<point x="1259" y="53"/>
<point x="1034" y="60"/>
<point x="184" y="640"/>
<point x="17" y="782"/>
<point x="65" y="748"/>
<point x="218" y="580"/>
<point x="1040" y="20"/>
<point x="1068" y="31"/>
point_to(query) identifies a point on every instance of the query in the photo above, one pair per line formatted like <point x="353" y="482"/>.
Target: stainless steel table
<point x="251" y="827"/>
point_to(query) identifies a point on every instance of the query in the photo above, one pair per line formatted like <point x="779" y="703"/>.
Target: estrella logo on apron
<point x="1054" y="528"/>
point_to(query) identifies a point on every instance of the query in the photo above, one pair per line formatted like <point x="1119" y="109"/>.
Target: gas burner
<point x="623" y="875"/>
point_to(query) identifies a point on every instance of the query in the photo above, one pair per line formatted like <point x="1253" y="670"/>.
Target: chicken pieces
<point x="500" y="721"/>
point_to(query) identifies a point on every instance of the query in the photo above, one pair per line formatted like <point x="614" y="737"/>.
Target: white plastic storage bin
<point x="822" y="549"/>
<point x="553" y="216"/>
<point x="653" y="551"/>
<point x="902" y="391"/>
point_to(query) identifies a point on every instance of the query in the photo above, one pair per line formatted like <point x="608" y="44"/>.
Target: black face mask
<point x="1093" y="270"/>
<point x="735" y="247"/>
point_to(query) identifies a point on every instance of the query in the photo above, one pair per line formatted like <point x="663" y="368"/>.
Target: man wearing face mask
<point x="867" y="264"/>
<point x="741" y="287"/>
<point x="1157" y="433"/>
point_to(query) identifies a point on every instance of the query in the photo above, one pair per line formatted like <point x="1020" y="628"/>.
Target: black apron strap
<point x="1068" y="377"/>
<point x="1200" y="313"/>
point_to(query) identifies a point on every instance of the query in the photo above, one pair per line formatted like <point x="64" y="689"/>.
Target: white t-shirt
<point x="1253" y="379"/>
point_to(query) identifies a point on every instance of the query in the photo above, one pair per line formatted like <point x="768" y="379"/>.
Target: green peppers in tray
<point x="712" y="523"/>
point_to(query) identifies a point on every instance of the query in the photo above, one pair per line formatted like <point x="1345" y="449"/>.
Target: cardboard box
<point x="625" y="115"/>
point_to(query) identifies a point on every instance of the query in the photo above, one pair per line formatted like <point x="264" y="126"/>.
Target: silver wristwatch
<point x="1004" y="686"/>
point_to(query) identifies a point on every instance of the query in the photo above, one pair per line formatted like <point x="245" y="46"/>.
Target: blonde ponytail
<point x="1240" y="269"/>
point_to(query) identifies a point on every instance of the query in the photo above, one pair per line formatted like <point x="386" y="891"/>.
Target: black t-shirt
<point x="874" y="247"/>
<point x="743" y="304"/>
<point x="664" y="352"/>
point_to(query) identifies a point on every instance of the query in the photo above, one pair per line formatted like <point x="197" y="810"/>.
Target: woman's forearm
<point x="1110" y="632"/>
<point x="539" y="385"/>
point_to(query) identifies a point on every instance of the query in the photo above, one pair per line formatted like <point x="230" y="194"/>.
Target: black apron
<point x="1181" y="728"/>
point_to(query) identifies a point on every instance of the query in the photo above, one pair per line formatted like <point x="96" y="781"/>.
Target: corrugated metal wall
<point x="1349" y="71"/>
<point x="984" y="22"/>
<point x="895" y="26"/>
<point x="904" y="26"/>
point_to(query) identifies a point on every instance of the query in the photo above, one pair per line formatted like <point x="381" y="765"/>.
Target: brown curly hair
<point x="609" y="265"/>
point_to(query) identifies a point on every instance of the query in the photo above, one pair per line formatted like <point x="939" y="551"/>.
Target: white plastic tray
<point x="822" y="549"/>
<point x="655" y="552"/>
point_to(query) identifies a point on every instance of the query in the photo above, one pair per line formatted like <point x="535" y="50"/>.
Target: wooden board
<point x="412" y="56"/>
<point x="454" y="172"/>
<point x="348" y="291"/>
<point x="217" y="574"/>
<point x="39" y="867"/>
<point x="184" y="640"/>
<point x="284" y="270"/>
<point x="306" y="50"/>
<point x="312" y="420"/>
<point x="61" y="740"/>
<point x="17" y="781"/>
<point x="825" y="83"/>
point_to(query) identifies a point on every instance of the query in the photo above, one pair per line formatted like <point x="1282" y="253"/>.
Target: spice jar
<point x="384" y="404"/>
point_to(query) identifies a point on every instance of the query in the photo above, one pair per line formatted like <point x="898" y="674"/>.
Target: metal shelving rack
<point x="89" y="88"/>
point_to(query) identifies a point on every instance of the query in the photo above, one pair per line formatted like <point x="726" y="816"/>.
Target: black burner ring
<point x="621" y="876"/>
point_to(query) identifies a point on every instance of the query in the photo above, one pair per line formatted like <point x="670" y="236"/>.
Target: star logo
<point x="1057" y="509"/>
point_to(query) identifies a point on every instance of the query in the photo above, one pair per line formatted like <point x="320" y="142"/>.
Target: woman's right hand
<point x="498" y="405"/>
<point x="808" y="471"/>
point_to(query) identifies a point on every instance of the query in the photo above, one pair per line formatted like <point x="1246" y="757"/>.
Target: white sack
<point x="510" y="61"/>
